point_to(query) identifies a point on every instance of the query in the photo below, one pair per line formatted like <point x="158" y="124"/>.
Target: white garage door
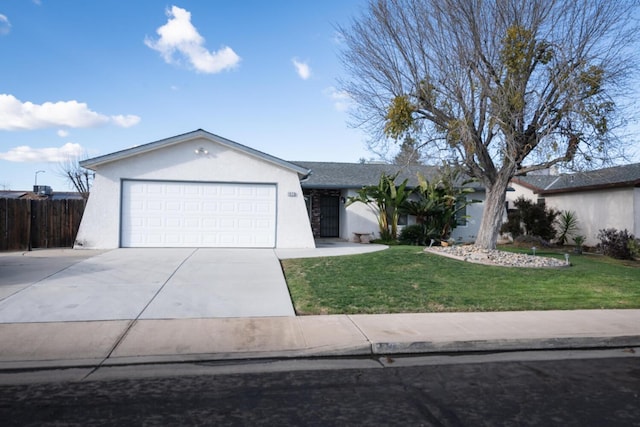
<point x="194" y="214"/>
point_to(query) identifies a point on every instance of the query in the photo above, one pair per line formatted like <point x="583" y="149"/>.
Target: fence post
<point x="29" y="221"/>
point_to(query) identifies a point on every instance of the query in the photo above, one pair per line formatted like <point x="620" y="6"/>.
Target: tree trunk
<point x="493" y="215"/>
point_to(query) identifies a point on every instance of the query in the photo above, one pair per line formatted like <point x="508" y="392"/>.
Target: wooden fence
<point x="27" y="224"/>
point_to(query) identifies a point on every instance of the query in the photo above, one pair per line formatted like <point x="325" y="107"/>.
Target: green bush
<point x="417" y="234"/>
<point x="531" y="219"/>
<point x="617" y="244"/>
<point x="412" y="235"/>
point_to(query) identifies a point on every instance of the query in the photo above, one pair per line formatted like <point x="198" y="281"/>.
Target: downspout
<point x="306" y="177"/>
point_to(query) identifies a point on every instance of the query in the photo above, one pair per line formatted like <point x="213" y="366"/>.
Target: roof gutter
<point x="626" y="184"/>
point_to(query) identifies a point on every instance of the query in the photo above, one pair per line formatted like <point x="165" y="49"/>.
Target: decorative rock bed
<point x="471" y="253"/>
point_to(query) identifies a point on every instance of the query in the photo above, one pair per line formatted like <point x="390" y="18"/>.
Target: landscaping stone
<point x="475" y="254"/>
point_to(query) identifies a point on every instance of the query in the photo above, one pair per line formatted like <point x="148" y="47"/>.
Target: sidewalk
<point x="120" y="342"/>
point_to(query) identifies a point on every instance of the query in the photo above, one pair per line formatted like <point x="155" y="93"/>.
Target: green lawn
<point x="404" y="279"/>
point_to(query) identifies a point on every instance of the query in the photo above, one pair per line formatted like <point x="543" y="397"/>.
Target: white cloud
<point x="179" y="38"/>
<point x="18" y="115"/>
<point x="341" y="99"/>
<point x="302" y="68"/>
<point x="5" y="25"/>
<point x="62" y="133"/>
<point x="125" y="121"/>
<point x="24" y="153"/>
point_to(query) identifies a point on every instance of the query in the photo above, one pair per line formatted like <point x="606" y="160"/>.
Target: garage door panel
<point x="156" y="214"/>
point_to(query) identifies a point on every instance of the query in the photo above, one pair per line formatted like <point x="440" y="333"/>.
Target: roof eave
<point x="357" y="187"/>
<point x="634" y="183"/>
<point x="96" y="162"/>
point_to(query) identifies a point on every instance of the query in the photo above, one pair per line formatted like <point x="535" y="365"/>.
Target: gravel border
<point x="474" y="254"/>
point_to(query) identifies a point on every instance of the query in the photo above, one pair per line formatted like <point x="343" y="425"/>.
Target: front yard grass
<point x="404" y="279"/>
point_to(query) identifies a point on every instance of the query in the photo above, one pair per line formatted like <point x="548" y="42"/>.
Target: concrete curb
<point x="375" y="350"/>
<point x="580" y="343"/>
<point x="64" y="345"/>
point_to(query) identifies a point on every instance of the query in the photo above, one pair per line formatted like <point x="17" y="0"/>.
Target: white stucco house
<point x="194" y="190"/>
<point x="603" y="198"/>
<point x="201" y="190"/>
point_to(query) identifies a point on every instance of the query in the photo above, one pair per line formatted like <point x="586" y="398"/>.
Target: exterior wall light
<point x="201" y="150"/>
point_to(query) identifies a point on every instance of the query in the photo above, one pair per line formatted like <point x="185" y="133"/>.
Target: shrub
<point x="531" y="219"/>
<point x="513" y="225"/>
<point x="417" y="234"/>
<point x="413" y="235"/>
<point x="634" y="247"/>
<point x="617" y="244"/>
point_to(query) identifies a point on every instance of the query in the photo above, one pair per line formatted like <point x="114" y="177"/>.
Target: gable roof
<point x="613" y="177"/>
<point x="334" y="175"/>
<point x="96" y="162"/>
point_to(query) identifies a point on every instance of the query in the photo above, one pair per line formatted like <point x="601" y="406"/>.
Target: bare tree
<point x="502" y="87"/>
<point x="77" y="177"/>
<point x="409" y="153"/>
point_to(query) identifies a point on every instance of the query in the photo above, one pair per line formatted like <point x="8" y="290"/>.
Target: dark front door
<point x="329" y="216"/>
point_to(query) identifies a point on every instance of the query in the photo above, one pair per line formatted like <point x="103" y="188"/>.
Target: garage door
<point x="194" y="214"/>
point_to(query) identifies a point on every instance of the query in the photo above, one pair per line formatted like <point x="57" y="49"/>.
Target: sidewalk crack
<point x="362" y="332"/>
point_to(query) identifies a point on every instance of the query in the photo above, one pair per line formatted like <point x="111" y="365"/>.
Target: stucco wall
<point x="100" y="227"/>
<point x="357" y="218"/>
<point x="468" y="233"/>
<point x="596" y="210"/>
<point x="518" y="191"/>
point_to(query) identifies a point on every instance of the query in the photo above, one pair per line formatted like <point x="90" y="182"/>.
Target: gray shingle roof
<point x="356" y="175"/>
<point x="617" y="176"/>
<point x="536" y="182"/>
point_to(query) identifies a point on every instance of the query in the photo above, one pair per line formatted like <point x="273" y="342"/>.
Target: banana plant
<point x="386" y="199"/>
<point x="439" y="201"/>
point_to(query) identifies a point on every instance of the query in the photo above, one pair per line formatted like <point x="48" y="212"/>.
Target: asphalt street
<point x="588" y="389"/>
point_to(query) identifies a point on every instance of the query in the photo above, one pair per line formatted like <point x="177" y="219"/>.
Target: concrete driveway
<point x="68" y="285"/>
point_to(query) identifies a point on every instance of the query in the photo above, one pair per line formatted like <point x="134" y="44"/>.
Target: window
<point x="461" y="215"/>
<point x="403" y="219"/>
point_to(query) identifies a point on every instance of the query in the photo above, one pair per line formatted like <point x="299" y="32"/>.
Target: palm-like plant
<point x="386" y="199"/>
<point x="440" y="201"/>
<point x="567" y="224"/>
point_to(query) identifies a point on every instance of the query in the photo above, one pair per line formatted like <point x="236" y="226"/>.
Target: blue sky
<point x="92" y="77"/>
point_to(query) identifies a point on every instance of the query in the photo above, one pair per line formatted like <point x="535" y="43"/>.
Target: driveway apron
<point x="156" y="283"/>
<point x="224" y="283"/>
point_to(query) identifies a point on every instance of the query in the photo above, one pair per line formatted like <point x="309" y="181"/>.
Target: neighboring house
<point x="194" y="190"/>
<point x="201" y="190"/>
<point x="331" y="184"/>
<point x="40" y="195"/>
<point x="604" y="198"/>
